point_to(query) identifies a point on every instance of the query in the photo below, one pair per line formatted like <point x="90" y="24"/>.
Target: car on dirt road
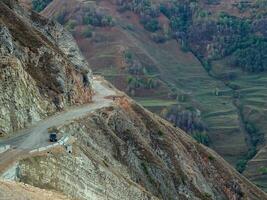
<point x="53" y="137"/>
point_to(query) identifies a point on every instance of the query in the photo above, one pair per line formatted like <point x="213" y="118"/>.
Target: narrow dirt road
<point x="37" y="135"/>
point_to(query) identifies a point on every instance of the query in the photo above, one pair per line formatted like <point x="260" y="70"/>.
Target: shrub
<point x="128" y="56"/>
<point x="71" y="24"/>
<point x="150" y="24"/>
<point x="211" y="158"/>
<point x="160" y="133"/>
<point x="87" y="32"/>
<point x="158" y="38"/>
<point x="39" y="5"/>
<point x="202" y="138"/>
<point x="97" y="18"/>
<point x="61" y="17"/>
<point x="241" y="165"/>
<point x="263" y="170"/>
<point x="206" y="196"/>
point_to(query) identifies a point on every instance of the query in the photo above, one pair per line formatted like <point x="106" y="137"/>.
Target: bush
<point x="39" y="5"/>
<point x="87" y="32"/>
<point x="254" y="133"/>
<point x="71" y="24"/>
<point x="96" y="18"/>
<point x="211" y="158"/>
<point x="158" y="38"/>
<point x="202" y="138"/>
<point x="61" y="17"/>
<point x="160" y="133"/>
<point x="128" y="56"/>
<point x="241" y="165"/>
<point x="263" y="170"/>
<point x="150" y="24"/>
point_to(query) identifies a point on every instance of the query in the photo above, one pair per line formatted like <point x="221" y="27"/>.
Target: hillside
<point x="109" y="146"/>
<point x="183" y="61"/>
<point x="42" y="71"/>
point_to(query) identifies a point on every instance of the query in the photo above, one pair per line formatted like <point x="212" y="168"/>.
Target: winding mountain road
<point x="37" y="135"/>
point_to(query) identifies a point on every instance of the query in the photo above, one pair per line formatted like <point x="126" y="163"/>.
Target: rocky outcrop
<point x="21" y="101"/>
<point x="42" y="70"/>
<point x="126" y="152"/>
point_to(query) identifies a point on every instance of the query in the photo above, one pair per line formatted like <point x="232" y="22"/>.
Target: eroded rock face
<point x="20" y="100"/>
<point x="42" y="70"/>
<point x="6" y="41"/>
<point x="125" y="152"/>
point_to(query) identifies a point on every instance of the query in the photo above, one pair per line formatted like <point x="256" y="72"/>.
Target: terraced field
<point x="252" y="98"/>
<point x="185" y="73"/>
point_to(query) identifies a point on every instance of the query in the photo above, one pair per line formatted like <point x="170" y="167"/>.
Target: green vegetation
<point x="263" y="170"/>
<point x="211" y="158"/>
<point x="96" y="18"/>
<point x="128" y="56"/>
<point x="254" y="57"/>
<point x="39" y="5"/>
<point x="202" y="138"/>
<point x="148" y="102"/>
<point x="148" y="12"/>
<point x="206" y="196"/>
<point x="138" y="75"/>
<point x="241" y="165"/>
<point x="141" y="82"/>
<point x="160" y="133"/>
<point x="189" y="120"/>
<point x="159" y="38"/>
<point x="70" y="25"/>
<point x="150" y="24"/>
<point x="228" y="35"/>
<point x="179" y="15"/>
<point x="146" y="171"/>
<point x="61" y="17"/>
<point x="87" y="32"/>
<point x="255" y="138"/>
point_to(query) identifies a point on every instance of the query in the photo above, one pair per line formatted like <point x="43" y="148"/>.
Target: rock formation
<point x="42" y="70"/>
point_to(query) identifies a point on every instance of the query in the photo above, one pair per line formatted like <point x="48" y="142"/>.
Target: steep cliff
<point x="126" y="152"/>
<point x="42" y="70"/>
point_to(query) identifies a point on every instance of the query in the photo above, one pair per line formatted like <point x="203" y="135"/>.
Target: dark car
<point x="53" y="137"/>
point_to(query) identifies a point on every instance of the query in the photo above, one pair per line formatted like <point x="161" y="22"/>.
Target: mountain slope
<point x="126" y="148"/>
<point x="119" y="151"/>
<point x="178" y="76"/>
<point x="182" y="59"/>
